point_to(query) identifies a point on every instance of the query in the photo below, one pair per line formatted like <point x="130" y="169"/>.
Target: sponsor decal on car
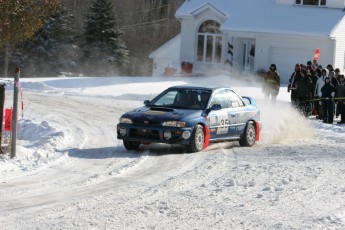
<point x="223" y="122"/>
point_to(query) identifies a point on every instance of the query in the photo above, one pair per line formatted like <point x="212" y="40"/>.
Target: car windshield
<point x="182" y="99"/>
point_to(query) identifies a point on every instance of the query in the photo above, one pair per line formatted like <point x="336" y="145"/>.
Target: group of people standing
<point x="314" y="90"/>
<point x="322" y="88"/>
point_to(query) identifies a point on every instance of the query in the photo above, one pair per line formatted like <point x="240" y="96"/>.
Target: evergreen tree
<point x="103" y="46"/>
<point x="52" y="50"/>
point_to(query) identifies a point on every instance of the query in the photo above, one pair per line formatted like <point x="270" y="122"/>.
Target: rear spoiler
<point x="248" y="100"/>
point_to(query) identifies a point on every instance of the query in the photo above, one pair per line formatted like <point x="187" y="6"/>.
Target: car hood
<point x="157" y="115"/>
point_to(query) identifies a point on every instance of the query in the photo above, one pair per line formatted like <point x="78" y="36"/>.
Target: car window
<point x="222" y="98"/>
<point x="184" y="98"/>
<point x="192" y="98"/>
<point x="227" y="99"/>
<point x="166" y="99"/>
<point x="235" y="100"/>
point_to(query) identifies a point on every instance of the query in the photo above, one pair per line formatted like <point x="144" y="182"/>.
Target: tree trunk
<point x="7" y="60"/>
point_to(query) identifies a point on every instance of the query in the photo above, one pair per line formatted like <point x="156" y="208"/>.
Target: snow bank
<point x="36" y="145"/>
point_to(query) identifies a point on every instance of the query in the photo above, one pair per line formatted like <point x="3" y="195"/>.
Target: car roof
<point x="187" y="86"/>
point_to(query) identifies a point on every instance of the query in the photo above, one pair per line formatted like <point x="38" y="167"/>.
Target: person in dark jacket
<point x="334" y="80"/>
<point x="340" y="93"/>
<point x="295" y="76"/>
<point x="327" y="94"/>
<point x="337" y="73"/>
<point x="304" y="92"/>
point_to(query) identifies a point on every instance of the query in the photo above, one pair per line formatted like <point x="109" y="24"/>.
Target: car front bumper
<point x="157" y="134"/>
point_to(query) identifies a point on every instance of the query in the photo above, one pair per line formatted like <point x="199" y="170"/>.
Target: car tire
<point x="197" y="140"/>
<point x="131" y="145"/>
<point x="249" y="136"/>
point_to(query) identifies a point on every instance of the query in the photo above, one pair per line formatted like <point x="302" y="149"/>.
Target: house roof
<point x="268" y="17"/>
<point x="168" y="49"/>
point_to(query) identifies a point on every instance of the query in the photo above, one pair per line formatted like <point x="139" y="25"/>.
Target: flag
<point x="8" y="118"/>
<point x="317" y="54"/>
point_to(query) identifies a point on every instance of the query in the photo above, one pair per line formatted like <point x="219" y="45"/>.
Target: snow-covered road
<point x="72" y="173"/>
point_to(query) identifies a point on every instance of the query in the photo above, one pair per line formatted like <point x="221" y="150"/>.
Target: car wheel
<point x="197" y="140"/>
<point x="131" y="145"/>
<point x="249" y="135"/>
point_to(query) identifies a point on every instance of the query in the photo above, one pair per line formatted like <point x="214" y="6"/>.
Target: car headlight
<point x="125" y="120"/>
<point x="174" y="124"/>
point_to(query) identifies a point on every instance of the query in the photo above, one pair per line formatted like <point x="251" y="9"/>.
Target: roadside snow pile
<point x="36" y="144"/>
<point x="34" y="135"/>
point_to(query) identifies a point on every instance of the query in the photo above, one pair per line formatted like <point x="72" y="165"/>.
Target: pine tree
<point x="104" y="47"/>
<point x="52" y="50"/>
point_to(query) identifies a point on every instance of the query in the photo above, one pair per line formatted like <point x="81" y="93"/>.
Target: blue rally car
<point x="192" y="116"/>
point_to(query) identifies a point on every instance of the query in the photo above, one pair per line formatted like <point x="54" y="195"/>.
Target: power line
<point x="142" y="25"/>
<point x="146" y="10"/>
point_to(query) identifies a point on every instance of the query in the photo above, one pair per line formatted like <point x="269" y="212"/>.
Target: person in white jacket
<point x="317" y="93"/>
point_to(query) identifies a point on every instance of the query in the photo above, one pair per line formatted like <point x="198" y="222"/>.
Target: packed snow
<point x="70" y="171"/>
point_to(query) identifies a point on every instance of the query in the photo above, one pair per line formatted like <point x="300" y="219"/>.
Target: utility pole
<point x="15" y="113"/>
<point x="2" y="102"/>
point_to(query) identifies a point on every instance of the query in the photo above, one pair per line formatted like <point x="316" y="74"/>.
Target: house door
<point x="248" y="54"/>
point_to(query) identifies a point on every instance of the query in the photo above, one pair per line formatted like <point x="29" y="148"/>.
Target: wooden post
<point x="15" y="114"/>
<point x="2" y="102"/>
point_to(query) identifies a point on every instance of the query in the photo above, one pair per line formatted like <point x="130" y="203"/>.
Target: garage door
<point x="286" y="59"/>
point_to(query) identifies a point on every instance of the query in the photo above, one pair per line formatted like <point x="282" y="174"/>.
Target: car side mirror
<point x="146" y="102"/>
<point x="216" y="107"/>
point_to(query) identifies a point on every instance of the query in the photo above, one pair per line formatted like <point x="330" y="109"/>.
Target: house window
<point x="311" y="2"/>
<point x="210" y="41"/>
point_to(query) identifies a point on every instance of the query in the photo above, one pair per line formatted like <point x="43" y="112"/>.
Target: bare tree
<point x="20" y="20"/>
<point x="147" y="24"/>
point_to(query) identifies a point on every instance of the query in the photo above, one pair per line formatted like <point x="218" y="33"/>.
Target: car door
<point x="222" y="122"/>
<point x="237" y="110"/>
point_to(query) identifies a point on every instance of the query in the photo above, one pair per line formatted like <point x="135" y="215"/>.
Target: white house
<point x="249" y="35"/>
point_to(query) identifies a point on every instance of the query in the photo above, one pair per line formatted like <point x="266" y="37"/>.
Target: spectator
<point x="334" y="80"/>
<point x="295" y="76"/>
<point x="315" y="65"/>
<point x="309" y="65"/>
<point x="340" y="93"/>
<point x="330" y="67"/>
<point x="314" y="77"/>
<point x="272" y="83"/>
<point x="316" y="103"/>
<point x="317" y="93"/>
<point x="304" y="92"/>
<point x="327" y="94"/>
<point x="337" y="73"/>
<point x="303" y="67"/>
